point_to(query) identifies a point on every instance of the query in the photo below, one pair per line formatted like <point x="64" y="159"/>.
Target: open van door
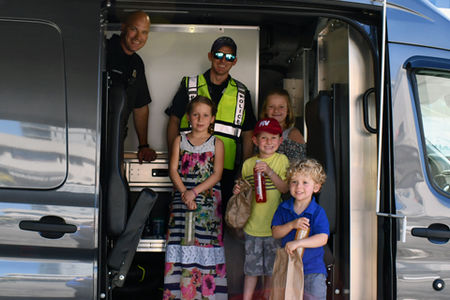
<point x="49" y="92"/>
<point x="419" y="70"/>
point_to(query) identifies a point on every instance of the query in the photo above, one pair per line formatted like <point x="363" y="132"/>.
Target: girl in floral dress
<point x="196" y="270"/>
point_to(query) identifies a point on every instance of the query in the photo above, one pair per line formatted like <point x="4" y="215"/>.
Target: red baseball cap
<point x="269" y="125"/>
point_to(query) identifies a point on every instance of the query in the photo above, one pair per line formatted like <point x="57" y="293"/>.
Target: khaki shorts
<point x="259" y="255"/>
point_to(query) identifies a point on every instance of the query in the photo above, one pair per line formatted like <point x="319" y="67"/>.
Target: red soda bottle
<point x="260" y="186"/>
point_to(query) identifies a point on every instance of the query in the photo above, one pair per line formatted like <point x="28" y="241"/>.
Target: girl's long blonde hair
<point x="290" y="114"/>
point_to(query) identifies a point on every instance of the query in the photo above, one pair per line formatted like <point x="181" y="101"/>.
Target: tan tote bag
<point x="239" y="206"/>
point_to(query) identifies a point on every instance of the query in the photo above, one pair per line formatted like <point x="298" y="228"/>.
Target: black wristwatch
<point x="143" y="146"/>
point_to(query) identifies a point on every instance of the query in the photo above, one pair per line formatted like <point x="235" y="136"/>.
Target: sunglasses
<point x="228" y="56"/>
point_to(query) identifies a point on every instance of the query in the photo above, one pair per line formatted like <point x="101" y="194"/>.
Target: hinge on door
<point x="399" y="217"/>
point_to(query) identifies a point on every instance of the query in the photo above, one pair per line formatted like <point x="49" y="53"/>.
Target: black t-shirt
<point x="181" y="100"/>
<point x="127" y="71"/>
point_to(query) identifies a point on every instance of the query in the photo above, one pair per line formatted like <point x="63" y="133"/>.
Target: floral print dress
<point x="293" y="150"/>
<point x="196" y="271"/>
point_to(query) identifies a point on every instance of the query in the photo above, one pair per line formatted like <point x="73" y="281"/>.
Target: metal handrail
<point x="380" y="123"/>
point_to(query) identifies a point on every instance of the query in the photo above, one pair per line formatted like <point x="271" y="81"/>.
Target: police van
<point x="80" y="218"/>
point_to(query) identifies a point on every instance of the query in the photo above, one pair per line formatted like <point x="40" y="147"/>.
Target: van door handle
<point x="369" y="128"/>
<point x="435" y="233"/>
<point x="51" y="227"/>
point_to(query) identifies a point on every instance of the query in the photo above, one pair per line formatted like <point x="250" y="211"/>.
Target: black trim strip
<point x="426" y="62"/>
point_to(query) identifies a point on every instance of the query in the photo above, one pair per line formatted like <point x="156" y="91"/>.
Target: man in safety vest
<point x="234" y="120"/>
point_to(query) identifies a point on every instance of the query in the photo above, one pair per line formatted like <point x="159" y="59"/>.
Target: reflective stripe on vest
<point x="228" y="126"/>
<point x="240" y="105"/>
<point x="192" y="87"/>
<point x="228" y="130"/>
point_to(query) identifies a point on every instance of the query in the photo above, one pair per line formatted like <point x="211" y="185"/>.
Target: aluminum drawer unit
<point x="154" y="175"/>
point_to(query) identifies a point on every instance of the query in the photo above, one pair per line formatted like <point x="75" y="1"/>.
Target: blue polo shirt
<point x="318" y="221"/>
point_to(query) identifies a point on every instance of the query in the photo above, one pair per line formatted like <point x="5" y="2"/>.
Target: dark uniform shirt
<point x="127" y="71"/>
<point x="181" y="100"/>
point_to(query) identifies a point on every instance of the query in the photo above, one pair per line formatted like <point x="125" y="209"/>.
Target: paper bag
<point x="239" y="206"/>
<point x="287" y="277"/>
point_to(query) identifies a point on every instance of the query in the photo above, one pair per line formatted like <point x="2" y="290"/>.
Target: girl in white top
<point x="277" y="105"/>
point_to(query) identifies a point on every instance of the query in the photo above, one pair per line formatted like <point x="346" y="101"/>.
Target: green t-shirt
<point x="262" y="213"/>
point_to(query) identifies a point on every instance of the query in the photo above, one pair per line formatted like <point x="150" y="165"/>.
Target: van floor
<point x="235" y="256"/>
<point x="145" y="279"/>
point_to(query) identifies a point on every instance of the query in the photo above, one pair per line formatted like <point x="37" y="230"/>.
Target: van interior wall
<point x="283" y="47"/>
<point x="281" y="44"/>
<point x="174" y="51"/>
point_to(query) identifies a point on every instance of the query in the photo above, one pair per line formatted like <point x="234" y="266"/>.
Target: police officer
<point x="126" y="69"/>
<point x="234" y="120"/>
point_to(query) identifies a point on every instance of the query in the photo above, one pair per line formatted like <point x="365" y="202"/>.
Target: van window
<point x="33" y="107"/>
<point x="433" y="89"/>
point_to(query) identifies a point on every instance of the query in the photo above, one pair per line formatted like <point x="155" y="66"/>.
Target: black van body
<point x="69" y="222"/>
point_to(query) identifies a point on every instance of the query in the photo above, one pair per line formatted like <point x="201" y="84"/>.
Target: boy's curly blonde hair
<point x="309" y="167"/>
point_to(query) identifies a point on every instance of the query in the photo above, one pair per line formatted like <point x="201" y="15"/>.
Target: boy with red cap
<point x="260" y="246"/>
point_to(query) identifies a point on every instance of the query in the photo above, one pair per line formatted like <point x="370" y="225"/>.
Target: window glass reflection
<point x="434" y="98"/>
<point x="33" y="129"/>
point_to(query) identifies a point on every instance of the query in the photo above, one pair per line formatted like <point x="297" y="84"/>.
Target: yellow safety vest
<point x="230" y="113"/>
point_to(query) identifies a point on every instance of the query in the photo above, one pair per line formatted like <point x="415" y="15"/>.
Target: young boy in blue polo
<point x="260" y="246"/>
<point x="301" y="211"/>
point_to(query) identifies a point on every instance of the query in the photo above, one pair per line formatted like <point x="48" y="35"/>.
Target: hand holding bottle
<point x="262" y="166"/>
<point x="260" y="181"/>
<point x="302" y="233"/>
<point x="188" y="197"/>
<point x="300" y="223"/>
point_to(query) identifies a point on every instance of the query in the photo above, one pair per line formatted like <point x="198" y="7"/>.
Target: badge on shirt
<point x="132" y="78"/>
